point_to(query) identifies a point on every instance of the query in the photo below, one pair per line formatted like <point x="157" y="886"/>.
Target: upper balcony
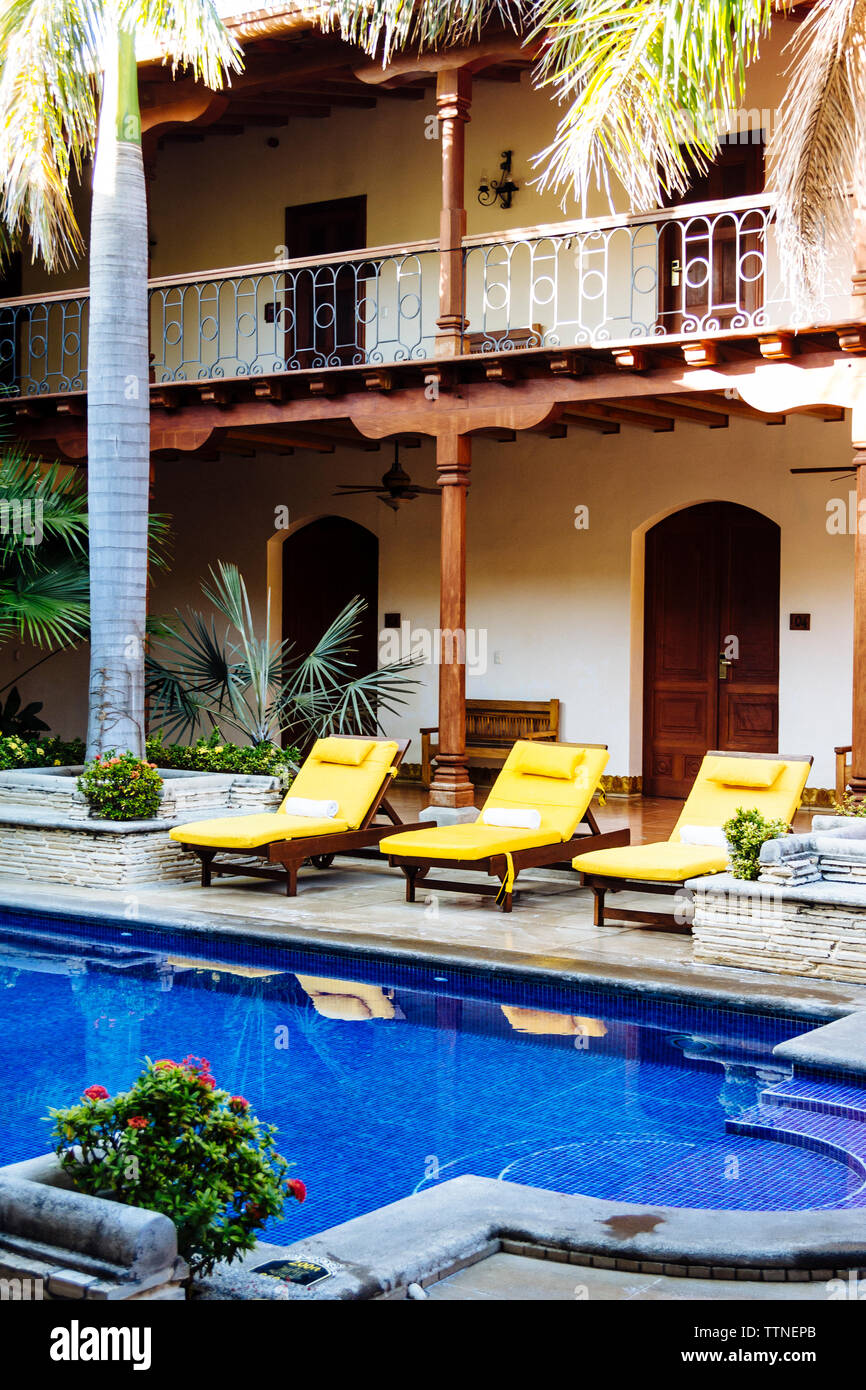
<point x="699" y="271"/>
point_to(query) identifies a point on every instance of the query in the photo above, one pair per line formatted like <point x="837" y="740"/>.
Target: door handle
<point x="724" y="663"/>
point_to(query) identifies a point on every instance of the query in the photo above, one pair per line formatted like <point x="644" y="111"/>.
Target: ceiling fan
<point x="830" y="468"/>
<point x="396" y="486"/>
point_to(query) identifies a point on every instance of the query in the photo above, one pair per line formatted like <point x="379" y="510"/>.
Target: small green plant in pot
<point x="176" y="1144"/>
<point x="119" y="786"/>
<point x="745" y="832"/>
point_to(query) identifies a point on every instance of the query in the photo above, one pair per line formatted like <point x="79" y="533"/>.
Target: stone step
<point x="836" y="1136"/>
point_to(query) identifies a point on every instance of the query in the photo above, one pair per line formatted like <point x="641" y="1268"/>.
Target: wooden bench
<point x="492" y="728"/>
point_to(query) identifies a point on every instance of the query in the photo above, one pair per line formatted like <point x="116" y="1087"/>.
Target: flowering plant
<point x="177" y="1144"/>
<point x="119" y="786"/>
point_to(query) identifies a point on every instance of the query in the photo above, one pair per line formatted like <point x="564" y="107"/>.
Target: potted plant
<point x="177" y="1144"/>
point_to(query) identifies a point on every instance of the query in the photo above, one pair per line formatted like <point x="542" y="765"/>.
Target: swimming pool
<point x="386" y="1078"/>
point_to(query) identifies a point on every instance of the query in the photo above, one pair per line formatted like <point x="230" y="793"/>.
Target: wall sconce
<point x="502" y="188"/>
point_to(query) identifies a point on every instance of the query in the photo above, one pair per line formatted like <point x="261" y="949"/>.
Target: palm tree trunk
<point x="118" y="413"/>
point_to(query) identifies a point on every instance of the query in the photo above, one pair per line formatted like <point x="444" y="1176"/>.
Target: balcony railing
<point x="695" y="271"/>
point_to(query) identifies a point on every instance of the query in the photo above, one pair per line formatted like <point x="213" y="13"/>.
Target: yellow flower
<point x="56" y="762"/>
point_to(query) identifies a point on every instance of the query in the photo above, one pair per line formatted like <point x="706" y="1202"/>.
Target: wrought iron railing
<point x="692" y="271"/>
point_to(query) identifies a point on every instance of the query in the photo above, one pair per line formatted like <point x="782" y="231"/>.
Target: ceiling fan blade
<point x="346" y="490"/>
<point x="829" y="469"/>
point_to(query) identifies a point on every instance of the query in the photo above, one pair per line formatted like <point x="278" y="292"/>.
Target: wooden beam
<point x="733" y="406"/>
<point x="657" y="423"/>
<point x="679" y="410"/>
<point x="297" y="439"/>
<point x="583" y="422"/>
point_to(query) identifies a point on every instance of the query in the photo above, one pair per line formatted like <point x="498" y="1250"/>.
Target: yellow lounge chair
<point x="556" y="780"/>
<point x="725" y="782"/>
<point x="354" y="772"/>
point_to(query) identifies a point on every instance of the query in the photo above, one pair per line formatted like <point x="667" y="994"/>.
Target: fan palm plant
<point x="69" y="90"/>
<point x="262" y="688"/>
<point x="648" y="85"/>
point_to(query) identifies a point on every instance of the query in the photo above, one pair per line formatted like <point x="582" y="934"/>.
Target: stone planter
<point x="49" y="835"/>
<point x="57" y="1244"/>
<point x="804" y="915"/>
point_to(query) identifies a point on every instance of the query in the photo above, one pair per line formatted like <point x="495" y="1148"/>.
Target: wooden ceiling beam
<point x="659" y="424"/>
<point x="297" y="439"/>
<point x="678" y="410"/>
<point x="583" y="422"/>
<point x="732" y="406"/>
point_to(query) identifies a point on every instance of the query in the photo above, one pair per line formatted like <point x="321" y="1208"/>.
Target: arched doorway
<point x="325" y="565"/>
<point x="711" y="640"/>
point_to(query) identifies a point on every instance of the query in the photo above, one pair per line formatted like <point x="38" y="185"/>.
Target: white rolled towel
<point x="708" y="836"/>
<point x="314" y="810"/>
<point x="514" y="818"/>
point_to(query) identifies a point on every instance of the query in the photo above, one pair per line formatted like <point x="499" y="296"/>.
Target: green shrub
<point x="119" y="786"/>
<point x="176" y="1144"/>
<point x="746" y="831"/>
<point x="851" y="805"/>
<point x="213" y="754"/>
<point x="49" y="752"/>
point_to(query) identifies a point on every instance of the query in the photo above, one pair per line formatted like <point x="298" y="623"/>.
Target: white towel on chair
<point x="513" y="819"/>
<point x="314" y="810"/>
<point x="709" y="836"/>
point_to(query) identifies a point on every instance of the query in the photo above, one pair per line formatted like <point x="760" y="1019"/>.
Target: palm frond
<point x="817" y="149"/>
<point x="647" y="86"/>
<point x="48" y="104"/>
<point x="48" y="606"/>
<point x="191" y="34"/>
<point x="383" y="27"/>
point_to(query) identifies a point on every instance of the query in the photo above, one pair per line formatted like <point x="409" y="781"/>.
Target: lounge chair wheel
<point x="322" y="861"/>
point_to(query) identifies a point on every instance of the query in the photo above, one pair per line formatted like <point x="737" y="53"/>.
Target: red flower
<point x="136" y="1122"/>
<point x="296" y="1188"/>
<point x="165" y="1064"/>
<point x="253" y="1211"/>
<point x="238" y="1104"/>
<point x="207" y="1080"/>
<point x="96" y="1093"/>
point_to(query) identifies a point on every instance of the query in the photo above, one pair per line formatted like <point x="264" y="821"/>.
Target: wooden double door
<point x="711" y="641"/>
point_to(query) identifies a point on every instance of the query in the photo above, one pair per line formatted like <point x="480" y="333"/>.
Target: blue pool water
<point x="384" y="1078"/>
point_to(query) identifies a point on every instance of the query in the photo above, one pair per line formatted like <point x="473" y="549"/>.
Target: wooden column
<point x="453" y="101"/>
<point x="858" y="717"/>
<point x="451" y="785"/>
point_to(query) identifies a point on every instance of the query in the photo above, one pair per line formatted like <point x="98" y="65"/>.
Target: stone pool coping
<point x="742" y="989"/>
<point x="425" y="1237"/>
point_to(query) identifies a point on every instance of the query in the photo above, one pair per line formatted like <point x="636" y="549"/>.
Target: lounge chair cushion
<point x="665" y="862"/>
<point x="712" y="803"/>
<point x="561" y="801"/>
<point x="352" y="786"/>
<point x="743" y="772"/>
<point x="350" y="752"/>
<point x="467" y="841"/>
<point x="250" y="832"/>
<point x="548" y="760"/>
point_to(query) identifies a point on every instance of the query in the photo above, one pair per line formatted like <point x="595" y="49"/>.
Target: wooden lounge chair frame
<point x="286" y="857"/>
<point x="555" y="856"/>
<point x="679" y="920"/>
